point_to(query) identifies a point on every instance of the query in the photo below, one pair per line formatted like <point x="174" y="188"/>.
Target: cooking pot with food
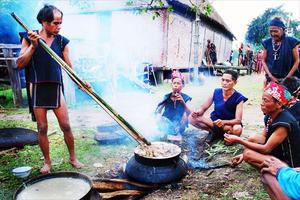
<point x="157" y="163"/>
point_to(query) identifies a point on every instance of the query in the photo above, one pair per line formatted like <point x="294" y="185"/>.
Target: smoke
<point x="109" y="52"/>
<point x="107" y="47"/>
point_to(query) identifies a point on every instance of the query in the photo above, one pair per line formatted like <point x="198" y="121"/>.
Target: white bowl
<point x="22" y="172"/>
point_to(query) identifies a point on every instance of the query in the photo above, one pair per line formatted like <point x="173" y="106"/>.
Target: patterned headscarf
<point x="279" y="92"/>
<point x="177" y="74"/>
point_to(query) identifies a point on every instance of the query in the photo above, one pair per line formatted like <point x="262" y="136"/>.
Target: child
<point x="175" y="109"/>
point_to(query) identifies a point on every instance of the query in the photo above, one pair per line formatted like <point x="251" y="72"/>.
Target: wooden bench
<point x="222" y="68"/>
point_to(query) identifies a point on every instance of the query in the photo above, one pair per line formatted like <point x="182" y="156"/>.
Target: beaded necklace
<point x="269" y="122"/>
<point x="276" y="50"/>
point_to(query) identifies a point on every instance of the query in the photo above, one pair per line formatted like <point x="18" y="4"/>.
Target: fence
<point x="9" y="70"/>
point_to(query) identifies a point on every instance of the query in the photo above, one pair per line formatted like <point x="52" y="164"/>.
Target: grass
<point x="6" y="97"/>
<point x="15" y="124"/>
<point x="87" y="152"/>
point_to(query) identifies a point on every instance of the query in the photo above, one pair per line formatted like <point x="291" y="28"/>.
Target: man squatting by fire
<point x="228" y="109"/>
<point x="45" y="80"/>
<point x="281" y="135"/>
<point x="176" y="109"/>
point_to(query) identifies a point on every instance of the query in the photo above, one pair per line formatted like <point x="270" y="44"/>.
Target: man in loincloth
<point x="45" y="79"/>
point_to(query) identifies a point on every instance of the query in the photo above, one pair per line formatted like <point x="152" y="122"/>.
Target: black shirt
<point x="289" y="150"/>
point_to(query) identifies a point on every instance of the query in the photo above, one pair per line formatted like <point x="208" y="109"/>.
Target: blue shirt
<point x="225" y="110"/>
<point x="289" y="181"/>
<point x="42" y="67"/>
<point x="281" y="67"/>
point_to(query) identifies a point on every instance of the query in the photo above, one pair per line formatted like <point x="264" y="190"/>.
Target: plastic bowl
<point x="22" y="172"/>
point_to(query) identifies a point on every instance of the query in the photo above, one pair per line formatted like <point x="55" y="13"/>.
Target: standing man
<point x="45" y="79"/>
<point x="207" y="53"/>
<point x="280" y="57"/>
<point x="241" y="55"/>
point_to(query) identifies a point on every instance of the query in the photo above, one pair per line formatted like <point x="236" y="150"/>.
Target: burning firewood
<point x="120" y="184"/>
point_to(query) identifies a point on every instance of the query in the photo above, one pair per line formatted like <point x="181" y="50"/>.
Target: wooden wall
<point x="181" y="42"/>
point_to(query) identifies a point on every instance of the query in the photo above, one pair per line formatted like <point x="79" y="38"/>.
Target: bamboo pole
<point x="106" y="107"/>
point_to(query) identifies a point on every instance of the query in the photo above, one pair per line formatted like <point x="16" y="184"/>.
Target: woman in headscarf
<point x="281" y="133"/>
<point x="281" y="58"/>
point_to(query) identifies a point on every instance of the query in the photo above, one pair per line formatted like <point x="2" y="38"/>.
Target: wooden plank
<point x="10" y="46"/>
<point x="9" y="58"/>
<point x="14" y="78"/>
<point x="2" y="55"/>
<point x="4" y="79"/>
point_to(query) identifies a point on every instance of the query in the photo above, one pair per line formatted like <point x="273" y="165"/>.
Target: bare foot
<point x="76" y="164"/>
<point x="46" y="168"/>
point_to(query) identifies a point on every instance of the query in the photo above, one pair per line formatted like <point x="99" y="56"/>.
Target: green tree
<point x="197" y="6"/>
<point x="258" y="28"/>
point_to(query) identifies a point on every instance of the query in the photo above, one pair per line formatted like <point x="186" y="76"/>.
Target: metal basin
<point x="41" y="187"/>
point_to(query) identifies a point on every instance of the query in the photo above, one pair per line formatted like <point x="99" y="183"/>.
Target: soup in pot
<point x="56" y="188"/>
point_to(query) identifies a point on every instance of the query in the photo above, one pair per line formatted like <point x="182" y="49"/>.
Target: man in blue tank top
<point x="228" y="109"/>
<point x="45" y="79"/>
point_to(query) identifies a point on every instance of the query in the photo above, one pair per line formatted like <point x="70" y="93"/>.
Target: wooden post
<point x="13" y="76"/>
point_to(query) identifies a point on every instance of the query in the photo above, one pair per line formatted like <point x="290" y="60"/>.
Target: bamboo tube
<point x="106" y="107"/>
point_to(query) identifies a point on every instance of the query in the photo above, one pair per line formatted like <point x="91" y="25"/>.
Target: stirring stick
<point x="106" y="107"/>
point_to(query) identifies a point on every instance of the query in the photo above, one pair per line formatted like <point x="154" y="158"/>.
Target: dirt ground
<point x="241" y="182"/>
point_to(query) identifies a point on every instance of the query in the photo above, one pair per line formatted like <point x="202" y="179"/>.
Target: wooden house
<point x="122" y="40"/>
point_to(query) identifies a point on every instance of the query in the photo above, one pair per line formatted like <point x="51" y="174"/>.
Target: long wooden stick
<point x="106" y="107"/>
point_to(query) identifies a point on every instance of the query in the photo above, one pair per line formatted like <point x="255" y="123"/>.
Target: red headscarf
<point x="279" y="92"/>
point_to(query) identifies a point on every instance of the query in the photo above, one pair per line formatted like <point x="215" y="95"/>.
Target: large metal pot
<point x="157" y="169"/>
<point x="171" y="151"/>
<point x="39" y="179"/>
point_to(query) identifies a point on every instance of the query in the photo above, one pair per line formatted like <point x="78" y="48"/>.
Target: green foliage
<point x="146" y="5"/>
<point x="83" y="4"/>
<point x="6" y="97"/>
<point x="219" y="148"/>
<point x="258" y="28"/>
